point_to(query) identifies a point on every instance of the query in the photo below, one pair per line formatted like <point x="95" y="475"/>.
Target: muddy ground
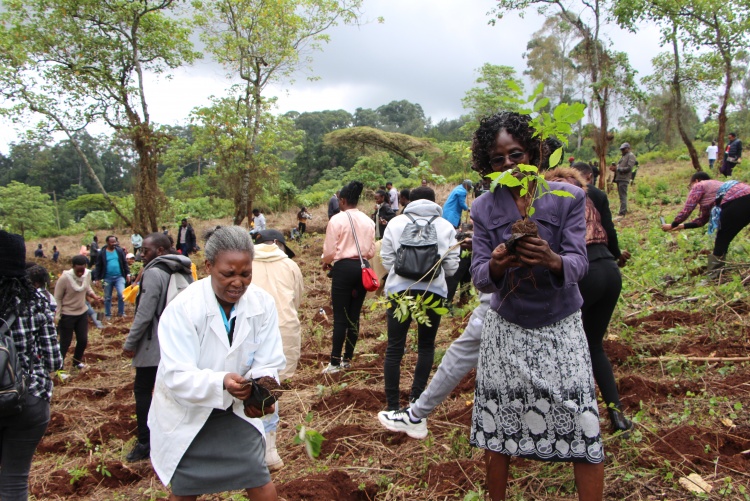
<point x="692" y="416"/>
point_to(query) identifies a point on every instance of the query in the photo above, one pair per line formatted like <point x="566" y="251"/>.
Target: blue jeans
<point x="271" y="421"/>
<point x="119" y="284"/>
<point x="19" y="436"/>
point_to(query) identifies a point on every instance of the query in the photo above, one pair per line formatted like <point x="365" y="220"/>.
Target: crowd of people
<point x="204" y="351"/>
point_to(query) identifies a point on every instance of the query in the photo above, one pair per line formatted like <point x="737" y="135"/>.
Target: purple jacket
<point x="533" y="297"/>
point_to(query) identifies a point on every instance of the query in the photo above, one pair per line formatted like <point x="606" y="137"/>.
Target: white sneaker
<point x="80" y="366"/>
<point x="399" y="421"/>
<point x="63" y="377"/>
<point x="273" y="460"/>
<point x="332" y="369"/>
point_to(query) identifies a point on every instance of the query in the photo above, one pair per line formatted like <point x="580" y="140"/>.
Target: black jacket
<point x="101" y="264"/>
<point x="386" y="213"/>
<point x="189" y="237"/>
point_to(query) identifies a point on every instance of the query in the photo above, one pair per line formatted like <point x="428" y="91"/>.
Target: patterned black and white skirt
<point x="535" y="395"/>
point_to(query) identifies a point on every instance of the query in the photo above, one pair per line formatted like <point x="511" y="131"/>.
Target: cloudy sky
<point x="426" y="51"/>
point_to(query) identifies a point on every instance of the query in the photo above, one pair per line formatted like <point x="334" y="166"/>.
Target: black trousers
<point x="735" y="215"/>
<point x="600" y="289"/>
<point x="458" y="279"/>
<point x="143" y="389"/>
<point x="347" y="296"/>
<point x="394" y="353"/>
<point x="78" y="324"/>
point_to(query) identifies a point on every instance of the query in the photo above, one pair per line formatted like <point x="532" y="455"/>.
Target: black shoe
<point x="139" y="453"/>
<point x="620" y="423"/>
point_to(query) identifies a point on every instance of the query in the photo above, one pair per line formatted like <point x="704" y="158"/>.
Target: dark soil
<point x="336" y="485"/>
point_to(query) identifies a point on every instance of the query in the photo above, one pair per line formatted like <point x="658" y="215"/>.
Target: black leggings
<point x="301" y="227"/>
<point x="66" y="326"/>
<point x="735" y="215"/>
<point x="145" y="380"/>
<point x="600" y="289"/>
<point x="397" y="332"/>
<point x="347" y="296"/>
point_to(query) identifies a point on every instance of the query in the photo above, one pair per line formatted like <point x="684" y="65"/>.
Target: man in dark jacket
<point x="185" y="238"/>
<point x="333" y="205"/>
<point x="383" y="213"/>
<point x="112" y="267"/>
<point x="624" y="175"/>
<point x="732" y="155"/>
<point x="142" y="343"/>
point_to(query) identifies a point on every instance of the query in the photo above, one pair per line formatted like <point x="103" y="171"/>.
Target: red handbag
<point x="370" y="280"/>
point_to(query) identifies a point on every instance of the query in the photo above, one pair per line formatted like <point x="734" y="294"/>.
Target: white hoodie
<point x="446" y="234"/>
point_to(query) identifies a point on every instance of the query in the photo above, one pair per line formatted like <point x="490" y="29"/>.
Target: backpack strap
<point x="359" y="252"/>
<point x="5" y="327"/>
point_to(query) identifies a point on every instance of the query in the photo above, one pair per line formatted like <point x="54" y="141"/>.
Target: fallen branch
<point x="697" y="359"/>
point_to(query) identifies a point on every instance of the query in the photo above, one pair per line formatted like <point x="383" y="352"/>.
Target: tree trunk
<point x="723" y="108"/>
<point x="147" y="197"/>
<point x="677" y="104"/>
<point x="240" y="203"/>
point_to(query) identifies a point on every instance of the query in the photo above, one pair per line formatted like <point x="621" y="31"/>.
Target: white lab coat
<point x="195" y="357"/>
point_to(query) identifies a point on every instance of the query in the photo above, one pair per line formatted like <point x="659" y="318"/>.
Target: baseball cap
<point x="130" y="256"/>
<point x="270" y="235"/>
<point x="468" y="182"/>
<point x="624" y="145"/>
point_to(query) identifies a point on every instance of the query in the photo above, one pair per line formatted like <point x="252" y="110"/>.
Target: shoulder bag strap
<point x="5" y="327"/>
<point x="359" y="252"/>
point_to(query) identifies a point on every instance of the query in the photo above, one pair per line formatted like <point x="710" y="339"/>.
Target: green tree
<point x="403" y="117"/>
<point x="549" y="62"/>
<point x="719" y="28"/>
<point x="316" y="157"/>
<point x="92" y="56"/>
<point x="262" y="42"/>
<point x="25" y="208"/>
<point x="499" y="87"/>
<point x="369" y="140"/>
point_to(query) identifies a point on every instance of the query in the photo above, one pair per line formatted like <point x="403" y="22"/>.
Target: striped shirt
<point x="703" y="194"/>
<point x="35" y="337"/>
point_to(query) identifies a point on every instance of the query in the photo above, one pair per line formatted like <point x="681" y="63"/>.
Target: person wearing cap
<point x="276" y="273"/>
<point x="624" y="175"/>
<point x="130" y="258"/>
<point x="31" y="325"/>
<point x="456" y="203"/>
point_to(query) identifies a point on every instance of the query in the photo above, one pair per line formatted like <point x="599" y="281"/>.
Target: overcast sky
<point x="426" y="51"/>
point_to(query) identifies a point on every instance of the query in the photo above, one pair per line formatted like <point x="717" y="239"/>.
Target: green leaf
<point x="541" y="103"/>
<point x="528" y="168"/>
<point x="532" y="210"/>
<point x="555" y="157"/>
<point x="562" y="193"/>
<point x="440" y="311"/>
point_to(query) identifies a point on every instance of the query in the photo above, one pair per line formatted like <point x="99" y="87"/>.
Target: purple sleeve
<point x="482" y="247"/>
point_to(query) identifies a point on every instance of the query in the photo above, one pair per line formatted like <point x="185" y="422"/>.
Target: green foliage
<point x="499" y="90"/>
<point x="410" y="306"/>
<point x="25" y="208"/>
<point x="559" y="124"/>
<point x="311" y="439"/>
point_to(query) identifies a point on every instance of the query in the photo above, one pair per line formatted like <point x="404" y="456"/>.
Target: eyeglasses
<point x="515" y="157"/>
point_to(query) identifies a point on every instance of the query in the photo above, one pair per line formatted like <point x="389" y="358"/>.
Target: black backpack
<point x="418" y="251"/>
<point x="14" y="381"/>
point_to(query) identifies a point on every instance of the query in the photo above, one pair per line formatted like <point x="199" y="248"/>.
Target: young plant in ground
<point x="311" y="439"/>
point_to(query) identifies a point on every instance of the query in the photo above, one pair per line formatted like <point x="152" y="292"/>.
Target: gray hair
<point x="227" y="239"/>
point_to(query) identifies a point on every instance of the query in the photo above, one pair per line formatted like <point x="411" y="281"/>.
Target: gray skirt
<point x="535" y="396"/>
<point x="227" y="454"/>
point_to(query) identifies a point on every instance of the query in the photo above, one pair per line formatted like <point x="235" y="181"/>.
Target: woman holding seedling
<point x="217" y="338"/>
<point x="535" y="395"/>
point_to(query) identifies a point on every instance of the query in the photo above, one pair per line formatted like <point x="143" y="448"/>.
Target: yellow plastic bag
<point x="194" y="271"/>
<point x="130" y="293"/>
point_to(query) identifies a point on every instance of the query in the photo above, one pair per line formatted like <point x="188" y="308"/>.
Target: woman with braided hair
<point x="31" y="324"/>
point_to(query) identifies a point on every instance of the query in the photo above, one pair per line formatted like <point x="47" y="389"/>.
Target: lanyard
<point x="228" y="323"/>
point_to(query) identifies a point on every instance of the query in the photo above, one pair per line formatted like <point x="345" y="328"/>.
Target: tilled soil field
<point x="692" y="414"/>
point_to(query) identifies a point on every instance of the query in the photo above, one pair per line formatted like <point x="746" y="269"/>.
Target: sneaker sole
<point x="388" y="424"/>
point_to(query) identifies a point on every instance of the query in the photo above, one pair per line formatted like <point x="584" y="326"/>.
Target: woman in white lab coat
<point x="215" y="336"/>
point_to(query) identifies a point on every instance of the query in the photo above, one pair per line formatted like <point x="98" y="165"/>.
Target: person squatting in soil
<point x="216" y="337"/>
<point x="725" y="205"/>
<point x="71" y="291"/>
<point x="535" y="396"/>
<point x="31" y="324"/>
<point x="602" y="284"/>
<point x="422" y="207"/>
<point x="142" y="343"/>
<point x="341" y="257"/>
<point x="276" y="273"/>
